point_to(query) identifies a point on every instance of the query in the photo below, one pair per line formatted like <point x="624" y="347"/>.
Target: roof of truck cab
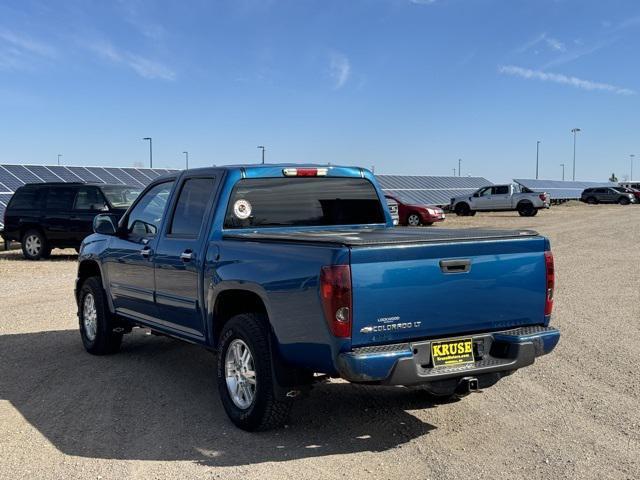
<point x="75" y="184"/>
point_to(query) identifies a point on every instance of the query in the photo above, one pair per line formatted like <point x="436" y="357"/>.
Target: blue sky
<point x="409" y="86"/>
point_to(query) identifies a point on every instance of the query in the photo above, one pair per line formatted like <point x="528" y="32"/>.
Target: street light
<point x="186" y="159"/>
<point x="562" y="165"/>
<point x="454" y="171"/>
<point x="150" y="151"/>
<point x="59" y="155"/>
<point x="263" y="149"/>
<point x="631" y="175"/>
<point x="575" y="132"/>
<point x="537" y="156"/>
<point x="459" y="162"/>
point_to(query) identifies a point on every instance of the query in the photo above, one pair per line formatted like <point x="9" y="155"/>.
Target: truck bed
<point x="380" y="236"/>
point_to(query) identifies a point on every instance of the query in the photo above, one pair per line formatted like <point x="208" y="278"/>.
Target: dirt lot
<point x="152" y="411"/>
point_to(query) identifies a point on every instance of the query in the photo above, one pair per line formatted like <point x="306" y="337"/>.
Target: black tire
<point x="462" y="209"/>
<point x="624" y="201"/>
<point x="268" y="409"/>
<point x="35" y="245"/>
<point x="592" y="200"/>
<point x="472" y="213"/>
<point x="413" y="220"/>
<point x="104" y="340"/>
<point x="534" y="212"/>
<point x="526" y="209"/>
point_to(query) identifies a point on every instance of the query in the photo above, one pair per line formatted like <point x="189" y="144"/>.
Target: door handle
<point x="455" y="266"/>
<point x="146" y="252"/>
<point x="186" y="256"/>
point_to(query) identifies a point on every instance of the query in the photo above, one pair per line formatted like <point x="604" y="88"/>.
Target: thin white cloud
<point x="20" y="52"/>
<point x="563" y="79"/>
<point x="142" y="66"/>
<point x="339" y="69"/>
<point x="544" y="39"/>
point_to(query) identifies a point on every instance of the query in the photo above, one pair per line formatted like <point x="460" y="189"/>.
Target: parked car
<point x="416" y="215"/>
<point x="293" y="273"/>
<point x="607" y="195"/>
<point x="500" y="198"/>
<point x="43" y="216"/>
<point x="633" y="191"/>
<point x="393" y="210"/>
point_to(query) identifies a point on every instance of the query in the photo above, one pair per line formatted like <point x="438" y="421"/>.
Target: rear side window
<point x="501" y="190"/>
<point x="60" y="198"/>
<point x="191" y="206"/>
<point x="27" y="198"/>
<point x="274" y="202"/>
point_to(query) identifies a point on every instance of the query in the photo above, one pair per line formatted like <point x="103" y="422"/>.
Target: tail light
<point x="551" y="282"/>
<point x="305" y="172"/>
<point x="335" y="292"/>
<point x="543" y="196"/>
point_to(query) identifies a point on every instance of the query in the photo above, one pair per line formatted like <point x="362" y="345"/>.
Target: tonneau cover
<point x="380" y="236"/>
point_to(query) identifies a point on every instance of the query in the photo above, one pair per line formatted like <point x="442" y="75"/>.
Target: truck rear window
<point x="276" y="202"/>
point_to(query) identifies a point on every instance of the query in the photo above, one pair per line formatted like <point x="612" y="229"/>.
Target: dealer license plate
<point x="452" y="352"/>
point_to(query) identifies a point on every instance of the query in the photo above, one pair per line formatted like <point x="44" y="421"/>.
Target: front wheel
<point x="624" y="201"/>
<point x="413" y="220"/>
<point x="96" y="321"/>
<point x="462" y="209"/>
<point x="245" y="373"/>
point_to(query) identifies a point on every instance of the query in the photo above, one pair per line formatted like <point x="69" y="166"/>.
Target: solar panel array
<point x="427" y="190"/>
<point x="14" y="176"/>
<point x="560" y="189"/>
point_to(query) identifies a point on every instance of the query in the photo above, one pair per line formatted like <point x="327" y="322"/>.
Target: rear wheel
<point x="462" y="209"/>
<point x="245" y="373"/>
<point x="413" y="220"/>
<point x="96" y="321"/>
<point x="526" y="210"/>
<point x="34" y="245"/>
<point x="592" y="200"/>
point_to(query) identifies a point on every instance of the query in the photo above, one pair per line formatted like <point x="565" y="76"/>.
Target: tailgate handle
<point x="455" y="266"/>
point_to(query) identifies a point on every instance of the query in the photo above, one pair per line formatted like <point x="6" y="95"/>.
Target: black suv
<point x="607" y="195"/>
<point x="43" y="216"/>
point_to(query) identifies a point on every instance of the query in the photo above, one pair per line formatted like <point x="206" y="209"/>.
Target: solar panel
<point x="429" y="190"/>
<point x="65" y="174"/>
<point x="559" y="189"/>
<point x="85" y="174"/>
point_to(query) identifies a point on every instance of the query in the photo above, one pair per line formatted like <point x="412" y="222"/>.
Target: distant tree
<point x="613" y="178"/>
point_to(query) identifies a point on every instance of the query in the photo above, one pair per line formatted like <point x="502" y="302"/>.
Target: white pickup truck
<point x="500" y="198"/>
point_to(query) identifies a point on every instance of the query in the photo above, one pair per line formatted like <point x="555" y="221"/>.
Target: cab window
<point x="191" y="206"/>
<point x="146" y="216"/>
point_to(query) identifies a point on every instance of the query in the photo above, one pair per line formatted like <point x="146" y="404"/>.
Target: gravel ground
<point x="152" y="411"/>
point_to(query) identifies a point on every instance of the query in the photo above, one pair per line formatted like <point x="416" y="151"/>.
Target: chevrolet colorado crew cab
<point x="294" y="273"/>
<point x="500" y="198"/>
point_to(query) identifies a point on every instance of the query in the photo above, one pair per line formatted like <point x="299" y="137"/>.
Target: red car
<point x="636" y="193"/>
<point x="415" y="215"/>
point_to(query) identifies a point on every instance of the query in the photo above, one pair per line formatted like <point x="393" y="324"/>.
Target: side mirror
<point x="105" y="224"/>
<point x="476" y="194"/>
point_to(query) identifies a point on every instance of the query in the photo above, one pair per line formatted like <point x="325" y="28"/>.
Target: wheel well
<point x="30" y="226"/>
<point x="523" y="203"/>
<point x="461" y="205"/>
<point x="234" y="302"/>
<point x="86" y="269"/>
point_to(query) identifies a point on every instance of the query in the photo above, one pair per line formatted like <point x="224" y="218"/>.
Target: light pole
<point x="186" y="159"/>
<point x="459" y="170"/>
<point x="562" y="165"/>
<point x="537" y="156"/>
<point x="575" y="133"/>
<point x="263" y="149"/>
<point x="150" y="151"/>
<point x="59" y="155"/>
<point x="631" y="174"/>
<point x="454" y="171"/>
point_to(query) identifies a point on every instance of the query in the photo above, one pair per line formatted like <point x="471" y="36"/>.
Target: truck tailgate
<point x="408" y="292"/>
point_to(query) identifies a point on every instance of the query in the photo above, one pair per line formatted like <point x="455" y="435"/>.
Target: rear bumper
<point x="411" y="364"/>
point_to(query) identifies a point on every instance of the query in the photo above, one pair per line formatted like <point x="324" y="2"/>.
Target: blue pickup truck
<point x="296" y="273"/>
